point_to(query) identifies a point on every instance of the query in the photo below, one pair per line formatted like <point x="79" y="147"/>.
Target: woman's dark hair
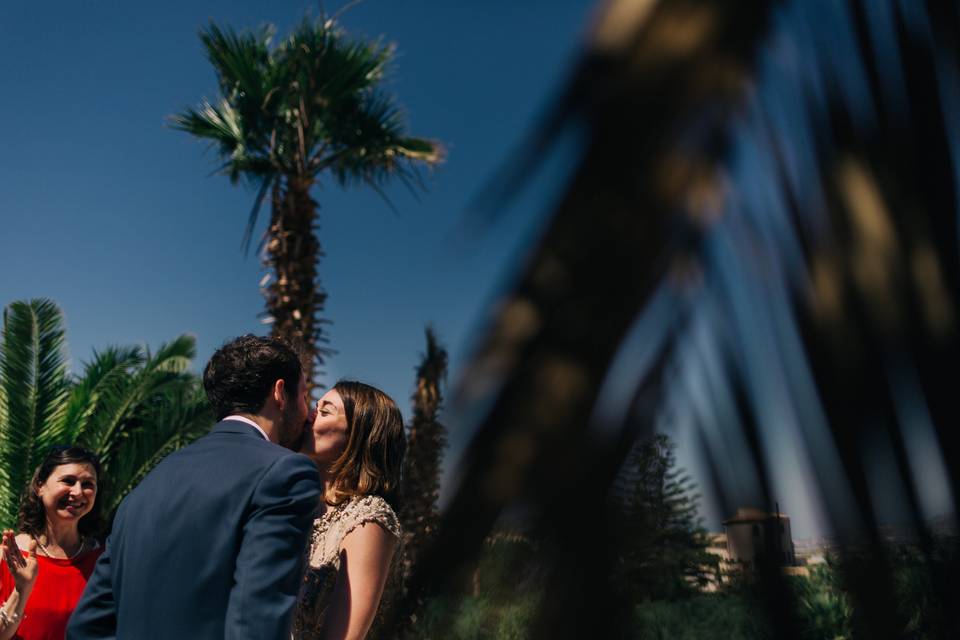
<point x="242" y="372"/>
<point x="376" y="443"/>
<point x="33" y="517"/>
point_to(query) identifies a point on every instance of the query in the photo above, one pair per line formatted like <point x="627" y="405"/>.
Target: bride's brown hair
<point x="370" y="463"/>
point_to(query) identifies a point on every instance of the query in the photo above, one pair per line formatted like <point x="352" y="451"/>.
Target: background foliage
<point x="655" y="527"/>
<point x="129" y="405"/>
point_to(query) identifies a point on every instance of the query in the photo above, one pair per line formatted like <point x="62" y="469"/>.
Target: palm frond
<point x="427" y="151"/>
<point x="265" y="183"/>
<point x="239" y="61"/>
<point x="309" y="105"/>
<point x="367" y="125"/>
<point x="102" y="378"/>
<point x="650" y="109"/>
<point x="173" y="418"/>
<point x="173" y="357"/>
<point x="213" y="123"/>
<point x="33" y="374"/>
<point x="368" y="145"/>
<point x="120" y="411"/>
<point x="222" y="126"/>
<point x="328" y="66"/>
<point x="800" y="174"/>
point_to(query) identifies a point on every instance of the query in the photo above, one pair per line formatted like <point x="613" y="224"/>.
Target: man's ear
<point x="279" y="394"/>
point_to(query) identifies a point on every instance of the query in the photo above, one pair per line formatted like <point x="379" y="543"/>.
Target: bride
<point x="357" y="442"/>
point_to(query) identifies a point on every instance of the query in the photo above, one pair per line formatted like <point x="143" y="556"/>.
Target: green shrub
<point x="477" y="618"/>
<point x="719" y="615"/>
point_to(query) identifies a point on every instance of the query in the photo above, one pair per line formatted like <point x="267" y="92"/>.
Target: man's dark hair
<point x="242" y="372"/>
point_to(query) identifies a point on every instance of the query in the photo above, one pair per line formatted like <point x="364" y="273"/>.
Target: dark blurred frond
<point x="789" y="170"/>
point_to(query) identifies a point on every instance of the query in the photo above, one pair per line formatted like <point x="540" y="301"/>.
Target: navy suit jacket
<point x="211" y="544"/>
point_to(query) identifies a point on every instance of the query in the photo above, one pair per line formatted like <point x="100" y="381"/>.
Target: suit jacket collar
<point x="237" y="427"/>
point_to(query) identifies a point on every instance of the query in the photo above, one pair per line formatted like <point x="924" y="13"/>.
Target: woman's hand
<point x="23" y="569"/>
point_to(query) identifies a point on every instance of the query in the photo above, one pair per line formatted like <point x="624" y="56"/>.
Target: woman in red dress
<point x="47" y="564"/>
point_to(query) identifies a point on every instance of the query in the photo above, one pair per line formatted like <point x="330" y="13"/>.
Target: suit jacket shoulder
<point x="211" y="528"/>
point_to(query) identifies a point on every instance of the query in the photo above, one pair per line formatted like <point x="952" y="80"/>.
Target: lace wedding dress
<point x="324" y="563"/>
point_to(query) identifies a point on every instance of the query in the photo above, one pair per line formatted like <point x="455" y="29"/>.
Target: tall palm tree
<point x="287" y="116"/>
<point x="426" y="440"/>
<point x="130" y="406"/>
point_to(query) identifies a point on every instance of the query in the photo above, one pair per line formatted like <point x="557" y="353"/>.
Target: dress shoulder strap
<point x="366" y="509"/>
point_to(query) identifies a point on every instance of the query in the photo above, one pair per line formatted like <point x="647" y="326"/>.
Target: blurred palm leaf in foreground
<point x="130" y="406"/>
<point x="288" y="114"/>
<point x="759" y="237"/>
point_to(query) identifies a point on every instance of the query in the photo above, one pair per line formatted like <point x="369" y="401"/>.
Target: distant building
<point x="717" y="545"/>
<point x="753" y="536"/>
<point x="813" y="550"/>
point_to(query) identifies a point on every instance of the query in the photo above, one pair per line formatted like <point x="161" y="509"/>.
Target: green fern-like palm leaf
<point x="173" y="418"/>
<point x="33" y="374"/>
<point x="119" y="411"/>
<point x="240" y="124"/>
<point x="103" y="377"/>
<point x="239" y="61"/>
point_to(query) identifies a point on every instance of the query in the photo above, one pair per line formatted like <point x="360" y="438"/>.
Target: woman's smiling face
<point x="69" y="491"/>
<point x="329" y="432"/>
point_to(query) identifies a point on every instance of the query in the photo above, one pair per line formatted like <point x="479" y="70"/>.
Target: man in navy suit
<point x="211" y="544"/>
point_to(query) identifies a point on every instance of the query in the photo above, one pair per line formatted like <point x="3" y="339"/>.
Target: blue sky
<point x="116" y="217"/>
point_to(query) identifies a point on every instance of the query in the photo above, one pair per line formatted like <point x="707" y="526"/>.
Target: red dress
<point x="55" y="594"/>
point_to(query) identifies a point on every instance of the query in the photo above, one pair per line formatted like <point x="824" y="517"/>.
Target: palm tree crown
<point x="287" y="114"/>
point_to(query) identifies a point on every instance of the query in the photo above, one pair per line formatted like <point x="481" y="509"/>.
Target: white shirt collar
<point x="249" y="422"/>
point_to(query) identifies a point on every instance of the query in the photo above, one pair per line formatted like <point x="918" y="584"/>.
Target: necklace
<point x="71" y="557"/>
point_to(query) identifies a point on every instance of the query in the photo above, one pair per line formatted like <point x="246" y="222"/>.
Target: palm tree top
<point x="287" y="113"/>
<point x="308" y="104"/>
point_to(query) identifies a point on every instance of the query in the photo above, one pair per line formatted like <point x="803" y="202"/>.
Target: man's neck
<point x="266" y="425"/>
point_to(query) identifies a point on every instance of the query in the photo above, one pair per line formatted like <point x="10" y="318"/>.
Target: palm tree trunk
<point x="294" y="299"/>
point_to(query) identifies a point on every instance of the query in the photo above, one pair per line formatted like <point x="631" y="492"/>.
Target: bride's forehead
<point x="332" y="397"/>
